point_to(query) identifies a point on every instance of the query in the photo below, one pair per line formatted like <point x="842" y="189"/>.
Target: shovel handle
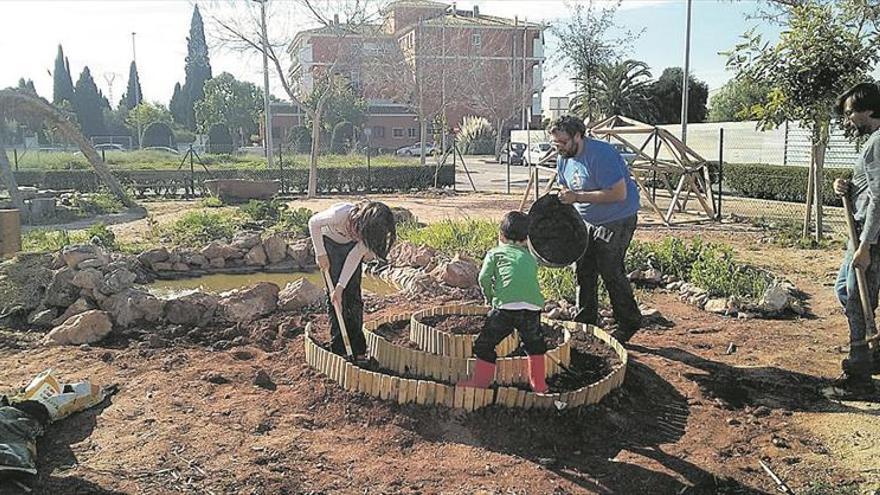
<point x="867" y="310"/>
<point x="345" y="339"/>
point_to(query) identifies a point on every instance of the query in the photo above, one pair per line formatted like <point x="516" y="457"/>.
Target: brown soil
<point x="689" y="419"/>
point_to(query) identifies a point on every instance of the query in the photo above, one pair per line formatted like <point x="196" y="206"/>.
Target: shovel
<point x="338" y="310"/>
<point x="870" y="325"/>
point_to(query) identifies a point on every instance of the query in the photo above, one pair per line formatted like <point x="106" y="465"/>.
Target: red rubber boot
<point x="484" y="372"/>
<point x="536" y="374"/>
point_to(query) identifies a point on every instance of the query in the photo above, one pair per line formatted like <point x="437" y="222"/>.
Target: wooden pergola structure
<point x="660" y="157"/>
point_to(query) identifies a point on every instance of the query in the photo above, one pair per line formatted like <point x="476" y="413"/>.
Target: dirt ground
<point x="689" y="419"/>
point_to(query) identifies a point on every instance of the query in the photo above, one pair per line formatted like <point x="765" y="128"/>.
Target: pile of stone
<point x="248" y="251"/>
<point x="93" y="292"/>
<point x="422" y="271"/>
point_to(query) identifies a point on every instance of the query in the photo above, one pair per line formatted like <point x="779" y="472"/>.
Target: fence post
<point x="15" y="157"/>
<point x="720" y="173"/>
<point x="785" y="146"/>
<point x="281" y="166"/>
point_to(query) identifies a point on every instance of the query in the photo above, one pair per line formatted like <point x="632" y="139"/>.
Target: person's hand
<point x="567" y="196"/>
<point x="336" y="297"/>
<point x="862" y="257"/>
<point x="841" y="187"/>
<point x="323" y="262"/>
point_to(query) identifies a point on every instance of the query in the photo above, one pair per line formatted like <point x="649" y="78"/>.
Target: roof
<point x="417" y="3"/>
<point x="466" y="18"/>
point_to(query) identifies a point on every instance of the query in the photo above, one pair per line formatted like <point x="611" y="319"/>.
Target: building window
<point x="397" y="132"/>
<point x="477" y="39"/>
<point x="379" y="132"/>
<point x="412" y="132"/>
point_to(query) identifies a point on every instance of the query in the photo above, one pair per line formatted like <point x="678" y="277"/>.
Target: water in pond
<point x="222" y="282"/>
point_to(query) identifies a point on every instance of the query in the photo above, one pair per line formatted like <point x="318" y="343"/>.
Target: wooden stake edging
<point x="443" y="367"/>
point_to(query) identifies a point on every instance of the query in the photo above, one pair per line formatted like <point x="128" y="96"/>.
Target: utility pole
<point x="685" y="79"/>
<point x="137" y="93"/>
<point x="267" y="131"/>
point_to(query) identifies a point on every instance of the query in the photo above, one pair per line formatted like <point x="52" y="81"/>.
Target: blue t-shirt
<point x="599" y="166"/>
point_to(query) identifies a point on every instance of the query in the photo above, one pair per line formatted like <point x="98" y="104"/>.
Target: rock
<point x="408" y="254"/>
<point x="402" y="215"/>
<point x="634" y="275"/>
<point x="80" y="306"/>
<point x="217" y="263"/>
<point x="301" y="253"/>
<point x="244" y="305"/>
<point x="275" y="248"/>
<point x="652" y="276"/>
<point x="84" y="328"/>
<point x="550" y="306"/>
<point x="180" y="267"/>
<point x="779" y="442"/>
<point x="61" y="291"/>
<point x="761" y="411"/>
<point x="194" y="309"/>
<point x="162" y="267"/>
<point x="76" y="254"/>
<point x="117" y="281"/>
<point x="299" y="294"/>
<point x="557" y="314"/>
<point x="716" y="305"/>
<point x="797" y="307"/>
<point x="242" y="355"/>
<point x="674" y="285"/>
<point x="215" y="378"/>
<point x="255" y="257"/>
<point x="152" y="256"/>
<point x="42" y="317"/>
<point x="733" y="421"/>
<point x="245" y="241"/>
<point x="220" y="250"/>
<point x="261" y="379"/>
<point x="457" y="273"/>
<point x="89" y="278"/>
<point x="650" y="313"/>
<point x="92" y="264"/>
<point x="774" y="300"/>
<point x="195" y="259"/>
<point x="132" y="305"/>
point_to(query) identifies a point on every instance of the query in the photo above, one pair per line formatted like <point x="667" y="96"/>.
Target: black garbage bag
<point x="20" y="426"/>
<point x="557" y="233"/>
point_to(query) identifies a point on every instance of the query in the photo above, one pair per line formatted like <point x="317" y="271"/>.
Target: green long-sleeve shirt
<point x="509" y="278"/>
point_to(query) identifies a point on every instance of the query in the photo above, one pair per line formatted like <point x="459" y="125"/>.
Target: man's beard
<point x="568" y="153"/>
<point x="863" y="130"/>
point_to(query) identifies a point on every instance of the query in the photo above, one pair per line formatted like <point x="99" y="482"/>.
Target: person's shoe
<point x="536" y="374"/>
<point x="484" y="372"/>
<point x="851" y="387"/>
<point x="622" y="335"/>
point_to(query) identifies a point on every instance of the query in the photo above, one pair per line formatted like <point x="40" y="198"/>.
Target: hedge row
<point x="779" y="183"/>
<point x="330" y="179"/>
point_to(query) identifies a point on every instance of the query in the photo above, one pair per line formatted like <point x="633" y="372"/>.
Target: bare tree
<point x="237" y="28"/>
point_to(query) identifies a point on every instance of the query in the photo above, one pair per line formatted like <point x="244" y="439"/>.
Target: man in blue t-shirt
<point x="594" y="177"/>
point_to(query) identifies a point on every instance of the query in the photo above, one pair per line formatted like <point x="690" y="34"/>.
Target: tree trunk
<point x="819" y="150"/>
<point x="8" y="178"/>
<point x="423" y="137"/>
<point x="316" y="143"/>
<point x="498" y="138"/>
<point x="808" y="209"/>
<point x="39" y="107"/>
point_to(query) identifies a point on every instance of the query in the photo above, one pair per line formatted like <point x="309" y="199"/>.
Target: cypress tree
<point x="198" y="69"/>
<point x="62" y="85"/>
<point x="178" y="104"/>
<point x="87" y="103"/>
<point x="133" y="94"/>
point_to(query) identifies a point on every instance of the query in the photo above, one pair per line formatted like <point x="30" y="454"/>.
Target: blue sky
<point x="32" y="29"/>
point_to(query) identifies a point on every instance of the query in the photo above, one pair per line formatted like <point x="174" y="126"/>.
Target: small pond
<point x="222" y="282"/>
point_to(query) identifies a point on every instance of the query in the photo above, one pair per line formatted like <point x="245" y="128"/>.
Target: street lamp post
<point x="267" y="128"/>
<point x="685" y="80"/>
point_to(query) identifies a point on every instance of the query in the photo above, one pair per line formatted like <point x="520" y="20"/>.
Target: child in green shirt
<point x="509" y="279"/>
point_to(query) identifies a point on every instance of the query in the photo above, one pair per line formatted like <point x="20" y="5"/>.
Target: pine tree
<point x="27" y="86"/>
<point x="87" y="103"/>
<point x="133" y="94"/>
<point x="62" y="88"/>
<point x="198" y="69"/>
<point x="178" y="104"/>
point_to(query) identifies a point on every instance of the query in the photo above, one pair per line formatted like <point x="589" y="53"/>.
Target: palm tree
<point x="620" y="88"/>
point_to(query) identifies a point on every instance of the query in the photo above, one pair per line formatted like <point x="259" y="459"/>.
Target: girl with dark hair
<point x="344" y="235"/>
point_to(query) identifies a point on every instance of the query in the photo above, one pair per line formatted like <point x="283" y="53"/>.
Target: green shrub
<point x="212" y="202"/>
<point x="718" y="273"/>
<point x="198" y="228"/>
<point x="295" y="221"/>
<point x="476" y="136"/>
<point x="264" y="212"/>
<point x="39" y="240"/>
<point x="779" y="183"/>
<point x="671" y="256"/>
<point x="789" y="233"/>
<point x="471" y="237"/>
<point x="105" y="236"/>
<point x="98" y="203"/>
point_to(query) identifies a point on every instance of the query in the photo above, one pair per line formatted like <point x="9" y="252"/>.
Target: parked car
<point x="416" y="150"/>
<point x="109" y="147"/>
<point x="165" y="149"/>
<point x="627" y="154"/>
<point x="514" y="154"/>
<point x="536" y="152"/>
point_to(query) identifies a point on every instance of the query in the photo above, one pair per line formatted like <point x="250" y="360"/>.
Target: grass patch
<point x="42" y="240"/>
<point x="212" y="202"/>
<point x="788" y="233"/>
<point x="98" y="203"/>
<point x="160" y="160"/>
<point x="471" y="237"/>
<point x="198" y="228"/>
